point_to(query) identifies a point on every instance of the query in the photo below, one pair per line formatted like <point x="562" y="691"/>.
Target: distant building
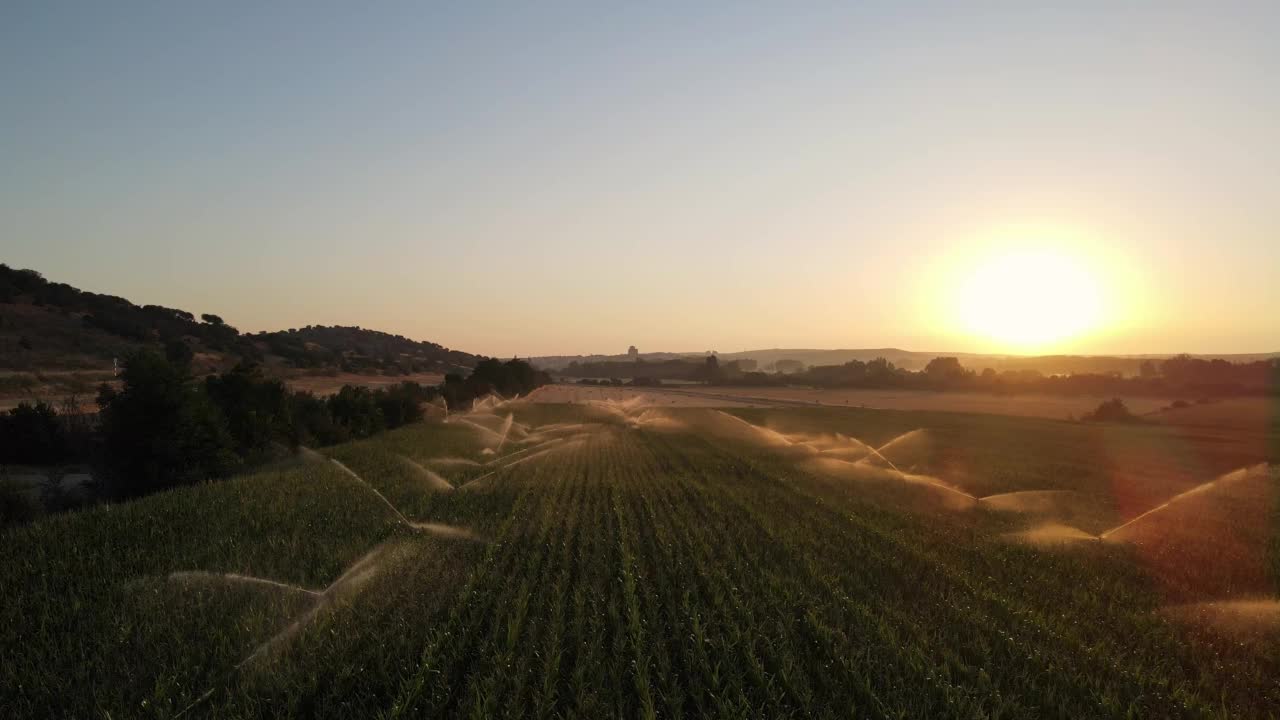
<point x="633" y="353"/>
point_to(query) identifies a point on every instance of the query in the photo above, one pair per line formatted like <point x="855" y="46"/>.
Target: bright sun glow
<point x="1030" y="299"/>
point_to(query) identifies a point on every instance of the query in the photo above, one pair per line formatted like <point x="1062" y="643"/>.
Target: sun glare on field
<point x="1028" y="300"/>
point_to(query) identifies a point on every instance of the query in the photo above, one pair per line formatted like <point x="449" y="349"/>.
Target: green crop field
<point x="612" y="560"/>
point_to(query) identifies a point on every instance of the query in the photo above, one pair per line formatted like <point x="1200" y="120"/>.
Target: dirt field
<point x="51" y="386"/>
<point x="1235" y="412"/>
<point x="328" y="385"/>
<point x="664" y="397"/>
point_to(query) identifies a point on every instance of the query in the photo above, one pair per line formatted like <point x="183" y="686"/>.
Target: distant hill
<point x="53" y="326"/>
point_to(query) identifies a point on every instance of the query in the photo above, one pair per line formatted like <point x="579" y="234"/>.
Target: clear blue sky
<point x="541" y="178"/>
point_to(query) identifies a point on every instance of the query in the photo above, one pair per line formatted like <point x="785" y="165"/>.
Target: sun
<point x="1029" y="299"/>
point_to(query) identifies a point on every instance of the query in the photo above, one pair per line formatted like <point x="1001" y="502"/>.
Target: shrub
<point x="1113" y="410"/>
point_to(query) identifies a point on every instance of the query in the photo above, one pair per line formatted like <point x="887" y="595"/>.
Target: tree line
<point x="1179" y="375"/>
<point x="163" y="427"/>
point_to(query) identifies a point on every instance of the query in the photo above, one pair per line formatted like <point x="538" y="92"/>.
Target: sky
<point x="555" y="178"/>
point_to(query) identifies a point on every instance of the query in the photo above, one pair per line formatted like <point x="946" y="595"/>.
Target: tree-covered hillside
<point x="52" y="325"/>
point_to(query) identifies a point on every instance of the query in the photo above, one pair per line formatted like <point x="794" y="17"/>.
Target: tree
<point x="710" y="370"/>
<point x="256" y="409"/>
<point x="402" y="404"/>
<point x="507" y="379"/>
<point x="880" y="371"/>
<point x="178" y="352"/>
<point x="160" y="430"/>
<point x="32" y="435"/>
<point x="312" y="424"/>
<point x="211" y="319"/>
<point x="356" y="409"/>
<point x="945" y="371"/>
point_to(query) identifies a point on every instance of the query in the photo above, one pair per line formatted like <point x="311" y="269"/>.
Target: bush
<point x="1113" y="410"/>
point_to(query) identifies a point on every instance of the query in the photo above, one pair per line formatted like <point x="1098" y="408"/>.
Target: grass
<point x="640" y="572"/>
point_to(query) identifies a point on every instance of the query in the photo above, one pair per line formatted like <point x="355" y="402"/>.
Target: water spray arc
<point x="1228" y="478"/>
<point x="1052" y="531"/>
<point x="194" y="576"/>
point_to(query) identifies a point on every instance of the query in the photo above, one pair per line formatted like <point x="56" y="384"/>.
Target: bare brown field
<point x="579" y="394"/>
<point x="52" y="386"/>
<point x="330" y="384"/>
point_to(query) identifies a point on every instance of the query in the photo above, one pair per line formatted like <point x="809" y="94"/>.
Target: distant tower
<point x="633" y="353"/>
